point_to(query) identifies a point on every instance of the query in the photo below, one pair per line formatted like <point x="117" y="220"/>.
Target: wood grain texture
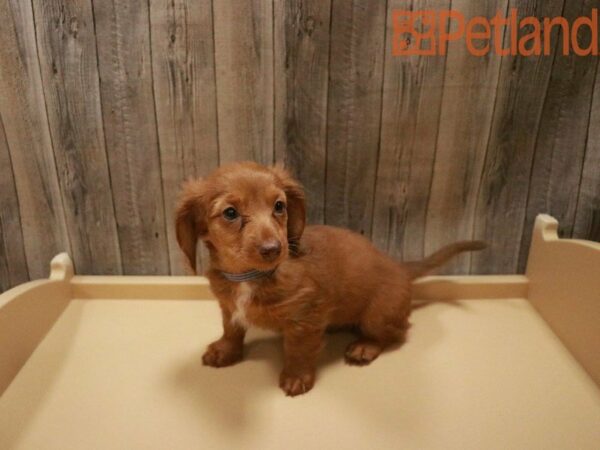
<point x="13" y="264"/>
<point x="468" y="101"/>
<point x="184" y="84"/>
<point x="561" y="142"/>
<point x="67" y="52"/>
<point x="244" y="75"/>
<point x="502" y="196"/>
<point x="302" y="31"/>
<point x="587" y="216"/>
<point x="412" y="96"/>
<point x="26" y="128"/>
<point x="354" y="111"/>
<point x="106" y="106"/>
<point x="123" y="39"/>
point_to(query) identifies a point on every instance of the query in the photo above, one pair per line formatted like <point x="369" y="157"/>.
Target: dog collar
<point x="247" y="276"/>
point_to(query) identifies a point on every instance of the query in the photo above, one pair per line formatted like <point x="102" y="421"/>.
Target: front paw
<point x="222" y="353"/>
<point x="294" y="385"/>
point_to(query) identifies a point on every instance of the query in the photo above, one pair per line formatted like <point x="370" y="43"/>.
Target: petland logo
<point x="428" y="32"/>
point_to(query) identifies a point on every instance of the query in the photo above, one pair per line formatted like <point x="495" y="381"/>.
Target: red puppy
<point x="269" y="270"/>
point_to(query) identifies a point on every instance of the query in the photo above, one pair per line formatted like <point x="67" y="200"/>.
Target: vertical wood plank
<point x="184" y="83"/>
<point x="467" y="106"/>
<point x="26" y="127"/>
<point x="504" y="186"/>
<point x="560" y="147"/>
<point x="13" y="264"/>
<point x="412" y="96"/>
<point x="354" y="111"/>
<point x="587" y="216"/>
<point x="123" y="42"/>
<point x="244" y="64"/>
<point x="67" y="53"/>
<point x="301" y="75"/>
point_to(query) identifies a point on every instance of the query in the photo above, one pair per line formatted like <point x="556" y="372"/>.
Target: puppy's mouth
<point x="260" y="263"/>
<point x="250" y="259"/>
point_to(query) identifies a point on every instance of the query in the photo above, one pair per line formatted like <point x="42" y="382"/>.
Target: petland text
<point x="428" y="32"/>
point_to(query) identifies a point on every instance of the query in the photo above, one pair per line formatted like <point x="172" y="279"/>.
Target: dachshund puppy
<point x="268" y="270"/>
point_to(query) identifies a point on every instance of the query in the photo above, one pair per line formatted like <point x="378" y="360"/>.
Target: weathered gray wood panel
<point x="67" y="52"/>
<point x="184" y="84"/>
<point x="244" y="75"/>
<point x="587" y="216"/>
<point x="13" y="264"/>
<point x="502" y="196"/>
<point x="113" y="103"/>
<point x="560" y="147"/>
<point x="354" y="111"/>
<point x="23" y="113"/>
<point x="123" y="39"/>
<point x="470" y="87"/>
<point x="412" y="95"/>
<point x="301" y="85"/>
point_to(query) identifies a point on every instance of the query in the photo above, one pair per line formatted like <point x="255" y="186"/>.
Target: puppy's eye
<point x="279" y="207"/>
<point x="230" y="214"/>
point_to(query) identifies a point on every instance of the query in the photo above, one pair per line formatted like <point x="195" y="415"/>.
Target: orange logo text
<point x="429" y="32"/>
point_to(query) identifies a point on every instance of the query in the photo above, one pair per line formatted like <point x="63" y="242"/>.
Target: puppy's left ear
<point x="296" y="203"/>
<point x="190" y="219"/>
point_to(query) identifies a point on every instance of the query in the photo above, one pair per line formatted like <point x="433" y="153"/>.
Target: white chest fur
<point x="244" y="296"/>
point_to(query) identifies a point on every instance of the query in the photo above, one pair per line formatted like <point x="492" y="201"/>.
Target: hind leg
<point x="383" y="323"/>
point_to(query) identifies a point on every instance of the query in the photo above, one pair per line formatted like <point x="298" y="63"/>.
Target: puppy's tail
<point x="442" y="256"/>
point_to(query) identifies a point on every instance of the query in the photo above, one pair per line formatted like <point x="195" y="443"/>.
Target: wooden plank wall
<point x="105" y="107"/>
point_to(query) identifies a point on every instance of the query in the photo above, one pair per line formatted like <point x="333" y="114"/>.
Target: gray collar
<point x="247" y="276"/>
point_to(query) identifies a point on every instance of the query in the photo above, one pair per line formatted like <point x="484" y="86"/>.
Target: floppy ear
<point x="190" y="220"/>
<point x="296" y="204"/>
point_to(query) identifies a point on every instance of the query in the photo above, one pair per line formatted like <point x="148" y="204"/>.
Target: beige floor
<point x="476" y="374"/>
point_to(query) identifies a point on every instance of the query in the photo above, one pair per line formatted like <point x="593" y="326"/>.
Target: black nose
<point x="270" y="250"/>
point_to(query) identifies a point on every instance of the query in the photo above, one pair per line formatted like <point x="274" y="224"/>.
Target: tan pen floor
<point x="122" y="374"/>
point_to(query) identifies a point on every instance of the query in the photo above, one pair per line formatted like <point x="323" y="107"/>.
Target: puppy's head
<point x="247" y="214"/>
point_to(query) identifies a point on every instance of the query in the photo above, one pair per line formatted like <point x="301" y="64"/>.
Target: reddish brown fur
<point x="325" y="276"/>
